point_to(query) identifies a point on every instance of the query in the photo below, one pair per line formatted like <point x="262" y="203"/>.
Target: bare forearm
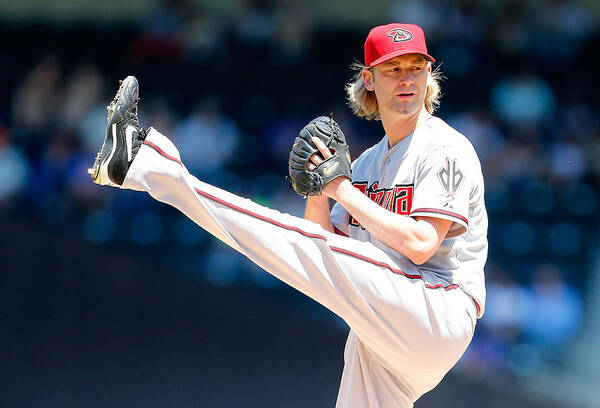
<point x="417" y="240"/>
<point x="317" y="210"/>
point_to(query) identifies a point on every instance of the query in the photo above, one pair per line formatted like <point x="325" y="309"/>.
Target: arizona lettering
<point x="397" y="199"/>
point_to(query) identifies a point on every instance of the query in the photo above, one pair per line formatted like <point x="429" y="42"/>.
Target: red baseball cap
<point x="388" y="41"/>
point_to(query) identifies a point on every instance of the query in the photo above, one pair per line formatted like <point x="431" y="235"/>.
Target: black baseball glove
<point x="307" y="182"/>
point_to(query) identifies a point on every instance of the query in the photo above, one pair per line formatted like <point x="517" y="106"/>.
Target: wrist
<point x="320" y="199"/>
<point x="337" y="187"/>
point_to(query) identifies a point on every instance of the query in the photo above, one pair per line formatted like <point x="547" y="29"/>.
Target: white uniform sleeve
<point x="443" y="188"/>
<point x="339" y="218"/>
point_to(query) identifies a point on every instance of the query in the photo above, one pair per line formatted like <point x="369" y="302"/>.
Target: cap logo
<point x="400" y="35"/>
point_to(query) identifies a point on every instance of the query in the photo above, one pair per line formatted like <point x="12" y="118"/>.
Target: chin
<point x="405" y="110"/>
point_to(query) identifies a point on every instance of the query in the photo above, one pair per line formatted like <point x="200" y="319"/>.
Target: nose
<point x="406" y="78"/>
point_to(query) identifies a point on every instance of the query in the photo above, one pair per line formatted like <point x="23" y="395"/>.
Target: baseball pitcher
<point x="400" y="257"/>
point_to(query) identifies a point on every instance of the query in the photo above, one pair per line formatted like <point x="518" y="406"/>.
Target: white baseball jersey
<point x="433" y="172"/>
<point x="408" y="326"/>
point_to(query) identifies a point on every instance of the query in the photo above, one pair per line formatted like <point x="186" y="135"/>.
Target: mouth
<point x="405" y="95"/>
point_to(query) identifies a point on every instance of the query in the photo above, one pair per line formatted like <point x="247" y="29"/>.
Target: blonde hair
<point x="364" y="103"/>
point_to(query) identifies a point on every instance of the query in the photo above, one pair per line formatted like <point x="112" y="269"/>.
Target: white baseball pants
<point x="407" y="331"/>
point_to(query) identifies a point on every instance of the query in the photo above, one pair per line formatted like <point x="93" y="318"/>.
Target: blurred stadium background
<point x="109" y="299"/>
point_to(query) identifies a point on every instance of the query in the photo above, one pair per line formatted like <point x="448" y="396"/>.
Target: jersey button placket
<point x="384" y="169"/>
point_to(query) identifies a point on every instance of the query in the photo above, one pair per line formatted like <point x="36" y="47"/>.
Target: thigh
<point x="384" y="299"/>
<point x="413" y="325"/>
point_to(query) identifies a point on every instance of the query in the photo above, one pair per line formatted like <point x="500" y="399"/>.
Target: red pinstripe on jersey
<point x="436" y="211"/>
<point x="305" y="233"/>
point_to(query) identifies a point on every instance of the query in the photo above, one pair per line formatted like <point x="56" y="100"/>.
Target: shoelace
<point x="131" y="116"/>
<point x="111" y="106"/>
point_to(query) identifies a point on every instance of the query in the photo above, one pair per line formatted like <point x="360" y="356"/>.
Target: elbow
<point x="419" y="258"/>
<point x="420" y="253"/>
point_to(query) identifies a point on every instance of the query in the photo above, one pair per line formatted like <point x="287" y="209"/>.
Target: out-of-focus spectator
<point x="80" y="192"/>
<point x="83" y="90"/>
<point x="55" y="164"/>
<point x="35" y="101"/>
<point x="157" y="113"/>
<point x="556" y="310"/>
<point x="13" y="168"/>
<point x="523" y="100"/>
<point x="478" y="126"/>
<point x="517" y="162"/>
<point x="203" y="34"/>
<point x="568" y="17"/>
<point x="161" y="36"/>
<point x="567" y="162"/>
<point x="278" y="136"/>
<point x="291" y="41"/>
<point x="507" y="304"/>
<point x="428" y="14"/>
<point x="255" y="23"/>
<point x="562" y="27"/>
<point x="91" y="128"/>
<point x="511" y="32"/>
<point x="207" y="138"/>
<point x="580" y="122"/>
<point x="485" y="357"/>
<point x="592" y="150"/>
<point x="535" y="128"/>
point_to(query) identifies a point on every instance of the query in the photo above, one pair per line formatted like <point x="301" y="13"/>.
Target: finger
<point x="322" y="148"/>
<point x="310" y="166"/>
<point x="316" y="159"/>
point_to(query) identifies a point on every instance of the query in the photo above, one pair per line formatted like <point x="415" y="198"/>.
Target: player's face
<point x="400" y="84"/>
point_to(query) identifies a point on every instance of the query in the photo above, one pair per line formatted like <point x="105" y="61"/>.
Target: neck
<point x="398" y="127"/>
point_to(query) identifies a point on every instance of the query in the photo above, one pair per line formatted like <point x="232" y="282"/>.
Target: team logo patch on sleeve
<point x="450" y="177"/>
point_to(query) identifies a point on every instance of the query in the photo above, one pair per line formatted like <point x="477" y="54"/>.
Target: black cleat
<point x="124" y="136"/>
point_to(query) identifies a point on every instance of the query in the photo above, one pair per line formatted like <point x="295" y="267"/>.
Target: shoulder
<point x="438" y="136"/>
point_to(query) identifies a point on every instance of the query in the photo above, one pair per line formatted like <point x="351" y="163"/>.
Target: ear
<point x="429" y="67"/>
<point x="367" y="75"/>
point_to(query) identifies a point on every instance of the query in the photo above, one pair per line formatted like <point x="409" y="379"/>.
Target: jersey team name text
<point x="397" y="199"/>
